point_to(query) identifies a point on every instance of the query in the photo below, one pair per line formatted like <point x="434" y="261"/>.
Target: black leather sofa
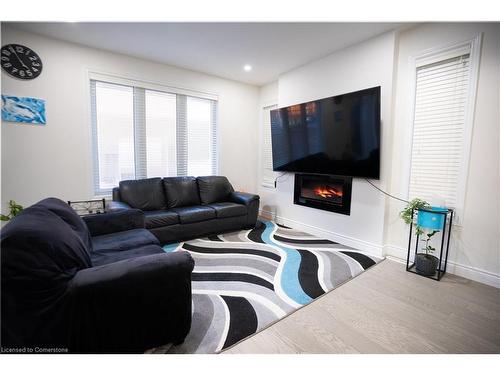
<point x="98" y="285"/>
<point x="182" y="208"/>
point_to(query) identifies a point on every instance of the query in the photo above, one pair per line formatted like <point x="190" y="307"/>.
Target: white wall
<point x="361" y="66"/>
<point x="374" y="224"/>
<point x="55" y="160"/>
<point x="268" y="94"/>
<point x="475" y="249"/>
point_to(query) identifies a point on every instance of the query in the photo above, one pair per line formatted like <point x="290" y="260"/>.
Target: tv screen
<point x="339" y="135"/>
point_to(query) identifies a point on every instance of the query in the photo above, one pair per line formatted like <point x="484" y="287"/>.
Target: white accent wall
<point x="475" y="246"/>
<point x="374" y="224"/>
<point x="56" y="160"/>
<point x="364" y="65"/>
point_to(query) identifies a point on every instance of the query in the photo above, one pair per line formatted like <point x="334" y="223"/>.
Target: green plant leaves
<point x="14" y="209"/>
<point x="415" y="204"/>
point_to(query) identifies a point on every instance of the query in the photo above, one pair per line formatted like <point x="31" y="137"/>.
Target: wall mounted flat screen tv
<point x="339" y="135"/>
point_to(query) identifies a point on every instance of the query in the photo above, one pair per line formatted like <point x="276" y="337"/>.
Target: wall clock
<point x="20" y="61"/>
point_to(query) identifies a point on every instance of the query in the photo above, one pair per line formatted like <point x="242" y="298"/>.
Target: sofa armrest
<point x="243" y="198"/>
<point x="251" y="201"/>
<point x="117" y="206"/>
<point x="112" y="222"/>
<point x="116" y="194"/>
<point x="132" y="305"/>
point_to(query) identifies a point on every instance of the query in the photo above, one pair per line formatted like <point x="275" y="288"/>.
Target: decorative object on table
<point x="429" y="221"/>
<point x="20" y="61"/>
<point x="14" y="209"/>
<point x="21" y="109"/>
<point x="88" y="207"/>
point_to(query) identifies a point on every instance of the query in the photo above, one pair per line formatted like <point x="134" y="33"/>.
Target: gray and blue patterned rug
<point x="245" y="281"/>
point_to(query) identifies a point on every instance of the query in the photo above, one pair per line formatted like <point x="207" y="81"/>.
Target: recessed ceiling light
<point x="247" y="68"/>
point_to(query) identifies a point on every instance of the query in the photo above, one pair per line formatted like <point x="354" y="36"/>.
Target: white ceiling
<point x="221" y="49"/>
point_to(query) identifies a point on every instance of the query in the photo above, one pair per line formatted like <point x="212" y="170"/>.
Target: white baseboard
<point x="469" y="272"/>
<point x="368" y="247"/>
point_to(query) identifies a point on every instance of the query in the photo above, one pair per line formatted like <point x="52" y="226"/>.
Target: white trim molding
<point x="358" y="244"/>
<point x="136" y="82"/>
<point x="398" y="253"/>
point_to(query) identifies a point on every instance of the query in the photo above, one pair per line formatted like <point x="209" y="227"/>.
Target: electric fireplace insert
<point x="324" y="192"/>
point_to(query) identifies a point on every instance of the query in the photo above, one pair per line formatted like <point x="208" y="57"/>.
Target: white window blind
<point x="201" y="136"/>
<point x="113" y="134"/>
<point x="440" y="120"/>
<point x="182" y="145"/>
<point x="139" y="133"/>
<point x="268" y="175"/>
<point x="161" y="144"/>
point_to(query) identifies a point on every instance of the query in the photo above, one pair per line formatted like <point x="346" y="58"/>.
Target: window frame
<point x="94" y="75"/>
<point x="436" y="54"/>
<point x="261" y="170"/>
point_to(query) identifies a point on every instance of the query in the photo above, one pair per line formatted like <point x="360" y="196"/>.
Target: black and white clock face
<point x="20" y="61"/>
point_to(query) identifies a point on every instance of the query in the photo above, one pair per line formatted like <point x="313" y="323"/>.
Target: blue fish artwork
<point x="19" y="109"/>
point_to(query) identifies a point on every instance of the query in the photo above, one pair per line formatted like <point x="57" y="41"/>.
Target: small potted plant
<point x="408" y="216"/>
<point x="14" y="209"/>
<point x="425" y="263"/>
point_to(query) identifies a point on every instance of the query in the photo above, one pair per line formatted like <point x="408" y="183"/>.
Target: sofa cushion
<point x="228" y="209"/>
<point x="110" y="256"/>
<point x="195" y="214"/>
<point x="70" y="217"/>
<point x="124" y="240"/>
<point x="181" y="191"/>
<point x="214" y="189"/>
<point x="146" y="194"/>
<point x="161" y="218"/>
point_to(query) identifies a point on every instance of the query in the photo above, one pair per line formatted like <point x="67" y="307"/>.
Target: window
<point x="115" y="133"/>
<point x="140" y="132"/>
<point x="201" y="140"/>
<point x="267" y="173"/>
<point x="161" y="134"/>
<point x="442" y="125"/>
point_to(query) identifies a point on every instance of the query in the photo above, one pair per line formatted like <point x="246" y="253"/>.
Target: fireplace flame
<point x="327" y="192"/>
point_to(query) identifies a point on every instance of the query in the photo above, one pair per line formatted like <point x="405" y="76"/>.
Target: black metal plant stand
<point x="441" y="269"/>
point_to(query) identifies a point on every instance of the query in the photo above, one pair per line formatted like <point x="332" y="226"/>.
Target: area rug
<point x="247" y="280"/>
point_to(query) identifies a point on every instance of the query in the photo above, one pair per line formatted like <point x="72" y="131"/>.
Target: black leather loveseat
<point x="182" y="208"/>
<point x="102" y="285"/>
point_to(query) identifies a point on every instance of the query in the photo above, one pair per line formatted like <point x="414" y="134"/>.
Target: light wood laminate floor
<point x="389" y="310"/>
